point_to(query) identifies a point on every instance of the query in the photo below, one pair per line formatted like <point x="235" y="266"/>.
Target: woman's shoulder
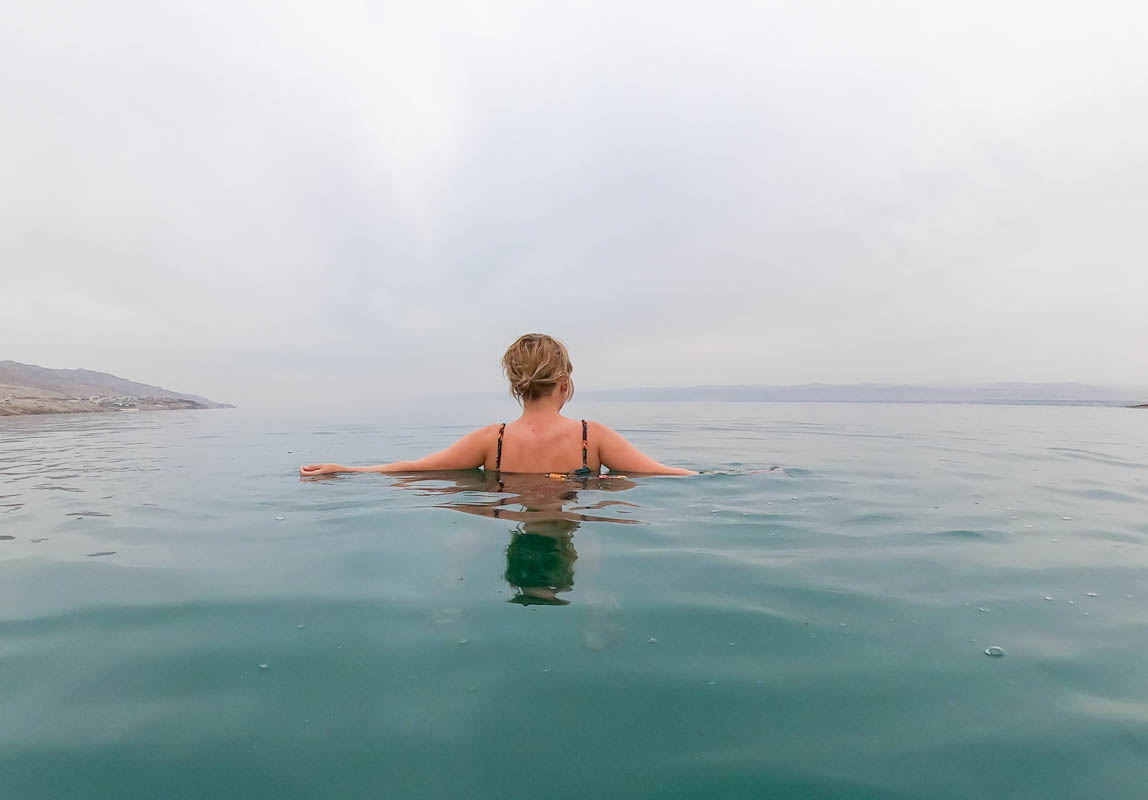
<point x="595" y="428"/>
<point x="486" y="432"/>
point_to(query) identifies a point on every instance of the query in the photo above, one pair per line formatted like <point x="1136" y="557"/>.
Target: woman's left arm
<point x="467" y="453"/>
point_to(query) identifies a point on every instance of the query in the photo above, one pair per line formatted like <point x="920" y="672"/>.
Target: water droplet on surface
<point x="264" y="666"/>
<point x="1028" y="526"/>
<point x="1066" y="519"/>
<point x="300" y="626"/>
<point x="732" y="644"/>
<point x="984" y="610"/>
<point x="713" y="683"/>
<point x="1090" y="594"/>
<point x="651" y="640"/>
<point x="1046" y="597"/>
<point x="280" y="519"/>
<point x="1072" y="602"/>
<point x="995" y="650"/>
<point x="464" y="641"/>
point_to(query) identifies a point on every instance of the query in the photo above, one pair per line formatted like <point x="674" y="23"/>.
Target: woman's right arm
<point x="312" y="470"/>
<point x="620" y="456"/>
<point x="467" y="453"/>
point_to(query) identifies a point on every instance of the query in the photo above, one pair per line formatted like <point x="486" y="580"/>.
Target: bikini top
<point x="583" y="470"/>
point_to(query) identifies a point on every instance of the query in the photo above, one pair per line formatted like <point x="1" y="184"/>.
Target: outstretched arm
<point x="467" y="453"/>
<point x="621" y="456"/>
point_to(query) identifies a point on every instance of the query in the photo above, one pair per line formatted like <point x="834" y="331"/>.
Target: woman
<point x="541" y="440"/>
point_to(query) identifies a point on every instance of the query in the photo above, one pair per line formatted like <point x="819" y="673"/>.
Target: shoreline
<point x="32" y="406"/>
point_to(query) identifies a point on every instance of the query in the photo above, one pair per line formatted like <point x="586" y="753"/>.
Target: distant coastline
<point x="1058" y="394"/>
<point x="28" y="389"/>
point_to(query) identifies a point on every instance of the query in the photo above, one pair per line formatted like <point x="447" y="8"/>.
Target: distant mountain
<point x="1019" y="393"/>
<point x="28" y="389"/>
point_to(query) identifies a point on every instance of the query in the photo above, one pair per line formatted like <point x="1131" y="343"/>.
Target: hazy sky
<point x="250" y="199"/>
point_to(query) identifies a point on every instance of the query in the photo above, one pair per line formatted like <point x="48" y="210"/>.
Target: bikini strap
<point x="498" y="455"/>
<point x="585" y="465"/>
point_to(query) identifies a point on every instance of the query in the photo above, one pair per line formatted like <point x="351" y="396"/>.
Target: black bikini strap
<point x="584" y="464"/>
<point x="498" y="455"/>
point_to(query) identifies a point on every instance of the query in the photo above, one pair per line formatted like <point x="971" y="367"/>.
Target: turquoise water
<point x="181" y="616"/>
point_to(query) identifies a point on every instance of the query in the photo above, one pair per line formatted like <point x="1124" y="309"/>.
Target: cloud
<point x="246" y="199"/>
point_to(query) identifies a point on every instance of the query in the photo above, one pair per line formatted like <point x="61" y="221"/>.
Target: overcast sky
<point x="251" y="199"/>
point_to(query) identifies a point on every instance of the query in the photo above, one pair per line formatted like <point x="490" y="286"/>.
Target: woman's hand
<point x="311" y="470"/>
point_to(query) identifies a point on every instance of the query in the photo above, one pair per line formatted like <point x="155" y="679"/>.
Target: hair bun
<point x="534" y="365"/>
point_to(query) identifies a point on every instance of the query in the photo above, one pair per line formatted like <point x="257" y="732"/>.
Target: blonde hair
<point x="534" y="365"/>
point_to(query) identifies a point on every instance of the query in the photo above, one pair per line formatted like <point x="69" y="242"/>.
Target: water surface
<point x="182" y="616"/>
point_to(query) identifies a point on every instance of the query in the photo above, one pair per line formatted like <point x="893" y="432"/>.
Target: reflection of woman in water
<point x="541" y="440"/>
<point x="540" y="556"/>
<point x="540" y="561"/>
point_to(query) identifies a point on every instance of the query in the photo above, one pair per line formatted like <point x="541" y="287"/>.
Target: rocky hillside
<point x="28" y="389"/>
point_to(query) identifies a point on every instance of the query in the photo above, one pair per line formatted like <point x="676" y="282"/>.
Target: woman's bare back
<point x="552" y="445"/>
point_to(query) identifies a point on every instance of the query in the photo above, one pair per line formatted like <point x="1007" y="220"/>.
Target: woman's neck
<point x="541" y="409"/>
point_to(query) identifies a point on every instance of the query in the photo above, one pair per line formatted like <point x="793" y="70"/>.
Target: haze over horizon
<point x="256" y="200"/>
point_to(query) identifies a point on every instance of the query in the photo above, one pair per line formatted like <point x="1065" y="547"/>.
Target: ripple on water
<point x="969" y="534"/>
